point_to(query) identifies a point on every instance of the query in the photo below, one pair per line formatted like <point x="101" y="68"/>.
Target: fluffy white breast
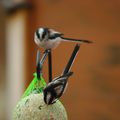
<point x="49" y="44"/>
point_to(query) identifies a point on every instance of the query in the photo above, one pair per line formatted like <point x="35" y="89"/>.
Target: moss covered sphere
<point x="33" y="107"/>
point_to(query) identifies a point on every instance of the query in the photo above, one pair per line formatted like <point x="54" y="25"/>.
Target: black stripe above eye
<point x="45" y="32"/>
<point x="37" y="33"/>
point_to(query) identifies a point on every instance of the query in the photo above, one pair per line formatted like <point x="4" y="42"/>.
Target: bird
<point x="56" y="88"/>
<point x="48" y="38"/>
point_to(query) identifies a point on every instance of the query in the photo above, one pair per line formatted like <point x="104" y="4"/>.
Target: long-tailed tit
<point x="55" y="89"/>
<point x="49" y="38"/>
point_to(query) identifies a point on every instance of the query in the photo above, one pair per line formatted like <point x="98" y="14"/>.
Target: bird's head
<point x="42" y="34"/>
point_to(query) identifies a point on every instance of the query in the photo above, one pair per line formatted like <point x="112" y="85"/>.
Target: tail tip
<point x="88" y="41"/>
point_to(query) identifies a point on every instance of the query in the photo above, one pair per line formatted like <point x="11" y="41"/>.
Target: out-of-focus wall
<point x="2" y="64"/>
<point x="12" y="54"/>
<point x="93" y="91"/>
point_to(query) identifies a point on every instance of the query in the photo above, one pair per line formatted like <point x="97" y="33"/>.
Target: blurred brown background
<point x="94" y="90"/>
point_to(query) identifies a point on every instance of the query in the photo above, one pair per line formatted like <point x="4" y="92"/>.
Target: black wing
<point x="55" y="35"/>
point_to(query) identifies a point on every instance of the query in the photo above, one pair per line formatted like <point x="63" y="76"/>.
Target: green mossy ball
<point x="33" y="107"/>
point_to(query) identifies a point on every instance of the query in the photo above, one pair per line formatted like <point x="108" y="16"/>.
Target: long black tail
<point x="76" y="40"/>
<point x="39" y="63"/>
<point x="71" y="60"/>
<point x="38" y="70"/>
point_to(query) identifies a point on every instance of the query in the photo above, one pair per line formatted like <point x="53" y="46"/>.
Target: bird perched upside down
<point x="49" y="38"/>
<point x="55" y="89"/>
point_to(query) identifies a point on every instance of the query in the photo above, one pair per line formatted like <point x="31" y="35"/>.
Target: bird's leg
<point x="50" y="64"/>
<point x="44" y="56"/>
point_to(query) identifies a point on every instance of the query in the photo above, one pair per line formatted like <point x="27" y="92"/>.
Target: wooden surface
<point x="93" y="91"/>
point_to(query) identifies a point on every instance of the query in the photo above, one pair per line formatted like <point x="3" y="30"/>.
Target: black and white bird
<point x="49" y="38"/>
<point x="55" y="89"/>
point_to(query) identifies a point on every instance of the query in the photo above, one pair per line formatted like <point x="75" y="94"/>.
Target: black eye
<point x="37" y="34"/>
<point x="45" y="32"/>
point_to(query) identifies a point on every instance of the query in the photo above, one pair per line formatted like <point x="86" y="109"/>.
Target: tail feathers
<point x="76" y="40"/>
<point x="71" y="60"/>
<point x="38" y="58"/>
<point x="63" y="77"/>
<point x="67" y="74"/>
